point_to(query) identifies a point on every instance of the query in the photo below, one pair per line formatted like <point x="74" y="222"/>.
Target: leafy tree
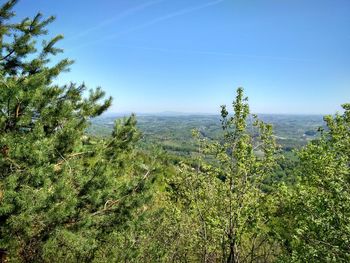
<point x="245" y="160"/>
<point x="316" y="210"/>
<point x="217" y="206"/>
<point x="66" y="196"/>
<point x="63" y="195"/>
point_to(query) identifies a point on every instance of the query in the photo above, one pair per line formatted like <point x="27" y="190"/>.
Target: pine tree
<point x="63" y="194"/>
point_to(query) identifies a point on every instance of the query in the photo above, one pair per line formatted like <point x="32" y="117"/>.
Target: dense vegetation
<point x="67" y="195"/>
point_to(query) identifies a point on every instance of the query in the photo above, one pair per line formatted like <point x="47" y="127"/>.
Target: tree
<point x="246" y="159"/>
<point x="219" y="203"/>
<point x="316" y="210"/>
<point x="63" y="194"/>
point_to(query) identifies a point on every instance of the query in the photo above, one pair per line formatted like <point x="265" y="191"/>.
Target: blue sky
<point x="291" y="56"/>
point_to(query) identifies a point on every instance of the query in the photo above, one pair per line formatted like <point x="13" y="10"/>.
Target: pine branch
<point x="8" y="55"/>
<point x="108" y="206"/>
<point x="69" y="157"/>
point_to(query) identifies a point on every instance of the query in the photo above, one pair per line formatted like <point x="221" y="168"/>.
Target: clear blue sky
<point x="291" y="56"/>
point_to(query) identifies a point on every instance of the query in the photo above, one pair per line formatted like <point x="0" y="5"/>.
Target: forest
<point x="73" y="189"/>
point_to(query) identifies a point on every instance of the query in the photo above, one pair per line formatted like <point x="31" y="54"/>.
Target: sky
<point x="290" y="56"/>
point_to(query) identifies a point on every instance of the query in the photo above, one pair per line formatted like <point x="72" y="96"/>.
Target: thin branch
<point x="69" y="157"/>
<point x="110" y="203"/>
<point x="8" y="55"/>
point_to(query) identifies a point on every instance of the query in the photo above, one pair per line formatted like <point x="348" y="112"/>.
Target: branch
<point x="110" y="203"/>
<point x="69" y="157"/>
<point x="19" y="168"/>
<point x="8" y="55"/>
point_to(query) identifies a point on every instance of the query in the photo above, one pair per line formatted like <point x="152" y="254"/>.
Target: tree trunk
<point x="3" y="255"/>
<point x="232" y="257"/>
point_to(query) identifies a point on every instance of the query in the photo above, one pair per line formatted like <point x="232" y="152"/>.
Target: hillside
<point x="173" y="131"/>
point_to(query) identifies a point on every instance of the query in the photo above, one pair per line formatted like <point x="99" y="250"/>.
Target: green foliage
<point x="214" y="210"/>
<point x="63" y="194"/>
<point x="231" y="196"/>
<point x="317" y="208"/>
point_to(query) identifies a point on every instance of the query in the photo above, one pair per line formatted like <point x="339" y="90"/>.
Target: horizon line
<point x="179" y="113"/>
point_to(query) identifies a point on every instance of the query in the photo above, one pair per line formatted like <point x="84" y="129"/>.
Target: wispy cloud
<point x="111" y="20"/>
<point x="215" y="53"/>
<point x="170" y="16"/>
<point x="153" y="21"/>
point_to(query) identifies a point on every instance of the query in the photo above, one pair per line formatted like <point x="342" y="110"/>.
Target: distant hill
<point x="172" y="130"/>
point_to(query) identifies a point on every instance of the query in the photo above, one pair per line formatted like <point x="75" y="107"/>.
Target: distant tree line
<point x="66" y="196"/>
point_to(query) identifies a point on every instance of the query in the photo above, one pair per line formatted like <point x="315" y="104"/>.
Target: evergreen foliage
<point x="67" y="196"/>
<point x="63" y="194"/>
